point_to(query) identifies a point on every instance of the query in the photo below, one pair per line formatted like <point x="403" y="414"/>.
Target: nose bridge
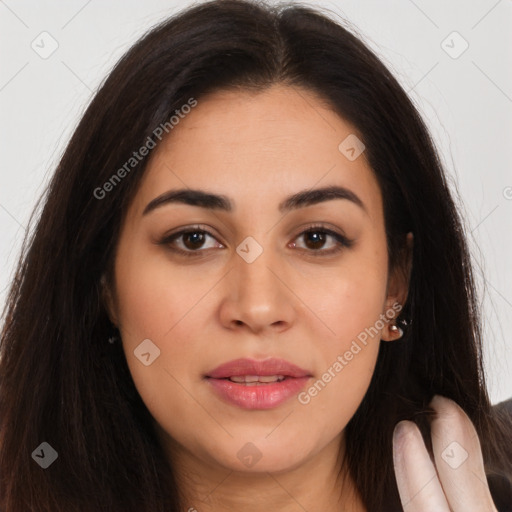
<point x="256" y="297"/>
<point x="252" y="268"/>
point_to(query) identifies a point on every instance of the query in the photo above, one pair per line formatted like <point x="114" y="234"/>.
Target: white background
<point x="467" y="102"/>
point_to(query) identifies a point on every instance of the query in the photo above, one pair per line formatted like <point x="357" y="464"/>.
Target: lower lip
<point x="263" y="396"/>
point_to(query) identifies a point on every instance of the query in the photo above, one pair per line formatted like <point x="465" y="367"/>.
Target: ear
<point x="107" y="297"/>
<point x="398" y="288"/>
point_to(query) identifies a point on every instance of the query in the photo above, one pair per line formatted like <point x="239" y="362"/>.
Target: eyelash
<point x="343" y="242"/>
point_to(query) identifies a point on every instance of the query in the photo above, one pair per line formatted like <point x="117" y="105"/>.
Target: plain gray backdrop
<point x="454" y="59"/>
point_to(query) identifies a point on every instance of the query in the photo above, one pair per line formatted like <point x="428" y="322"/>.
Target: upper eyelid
<point x="192" y="229"/>
<point x="207" y="230"/>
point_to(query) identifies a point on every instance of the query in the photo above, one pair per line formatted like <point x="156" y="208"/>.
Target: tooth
<point x="270" y="378"/>
<point x="237" y="379"/>
<point x="255" y="379"/>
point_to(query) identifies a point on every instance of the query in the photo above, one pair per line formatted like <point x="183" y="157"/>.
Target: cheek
<point x="350" y="298"/>
<point x="154" y="296"/>
<point x="350" y="303"/>
<point x="348" y="363"/>
<point x="163" y="303"/>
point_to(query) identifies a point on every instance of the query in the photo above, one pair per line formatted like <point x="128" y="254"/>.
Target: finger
<point x="458" y="458"/>
<point x="416" y="476"/>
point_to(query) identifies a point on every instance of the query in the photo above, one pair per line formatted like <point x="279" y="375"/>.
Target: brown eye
<point x="190" y="242"/>
<point x="193" y="239"/>
<point x="315" y="239"/>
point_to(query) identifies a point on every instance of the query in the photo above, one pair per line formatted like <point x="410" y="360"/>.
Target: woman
<point x="248" y="288"/>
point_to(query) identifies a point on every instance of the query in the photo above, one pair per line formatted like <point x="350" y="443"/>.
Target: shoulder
<point x="505" y="406"/>
<point x="501" y="485"/>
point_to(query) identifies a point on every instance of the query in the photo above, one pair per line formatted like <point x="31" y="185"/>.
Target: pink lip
<point x="258" y="396"/>
<point x="270" y="366"/>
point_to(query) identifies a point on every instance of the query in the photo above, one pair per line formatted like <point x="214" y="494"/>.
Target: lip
<point x="244" y="366"/>
<point x="257" y="396"/>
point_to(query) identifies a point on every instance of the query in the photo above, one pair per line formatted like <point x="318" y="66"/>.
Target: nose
<point x="257" y="296"/>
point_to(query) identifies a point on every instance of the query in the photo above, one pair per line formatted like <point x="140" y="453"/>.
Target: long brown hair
<point x="62" y="383"/>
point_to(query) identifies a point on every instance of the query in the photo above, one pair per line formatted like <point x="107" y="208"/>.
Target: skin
<point x="455" y="479"/>
<point x="290" y="303"/>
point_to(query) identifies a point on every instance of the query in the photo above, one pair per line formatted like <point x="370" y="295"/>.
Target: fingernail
<point x="400" y="430"/>
<point x="436" y="398"/>
<point x="439" y="400"/>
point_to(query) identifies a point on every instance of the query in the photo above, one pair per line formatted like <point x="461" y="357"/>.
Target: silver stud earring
<point x="395" y="329"/>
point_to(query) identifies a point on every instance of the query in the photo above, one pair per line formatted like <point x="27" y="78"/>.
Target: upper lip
<point x="272" y="366"/>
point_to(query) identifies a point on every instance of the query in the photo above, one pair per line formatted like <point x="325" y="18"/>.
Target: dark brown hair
<point x="62" y="383"/>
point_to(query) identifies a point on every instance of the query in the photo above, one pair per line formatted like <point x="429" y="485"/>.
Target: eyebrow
<point x="203" y="199"/>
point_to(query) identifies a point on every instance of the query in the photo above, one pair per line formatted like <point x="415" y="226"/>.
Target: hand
<point x="457" y="482"/>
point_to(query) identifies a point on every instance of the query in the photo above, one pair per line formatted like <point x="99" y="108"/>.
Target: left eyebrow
<point x="203" y="199"/>
<point x="319" y="195"/>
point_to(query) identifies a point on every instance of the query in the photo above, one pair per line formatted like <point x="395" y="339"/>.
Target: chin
<point x="261" y="455"/>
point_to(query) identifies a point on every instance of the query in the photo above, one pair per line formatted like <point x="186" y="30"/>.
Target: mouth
<point x="251" y="384"/>
<point x="256" y="370"/>
<point x="256" y="380"/>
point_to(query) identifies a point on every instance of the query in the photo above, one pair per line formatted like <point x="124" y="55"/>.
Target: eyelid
<point x="169" y="237"/>
<point x="343" y="241"/>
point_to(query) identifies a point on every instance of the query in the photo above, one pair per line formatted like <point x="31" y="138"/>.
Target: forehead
<point x="258" y="147"/>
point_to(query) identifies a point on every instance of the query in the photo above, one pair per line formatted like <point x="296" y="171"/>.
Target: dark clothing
<point x="501" y="485"/>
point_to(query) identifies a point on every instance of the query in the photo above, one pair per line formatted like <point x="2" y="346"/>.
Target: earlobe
<point x="396" y="331"/>
<point x="391" y="331"/>
<point x="398" y="288"/>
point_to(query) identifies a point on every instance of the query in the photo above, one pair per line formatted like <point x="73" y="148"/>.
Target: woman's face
<point x="248" y="283"/>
